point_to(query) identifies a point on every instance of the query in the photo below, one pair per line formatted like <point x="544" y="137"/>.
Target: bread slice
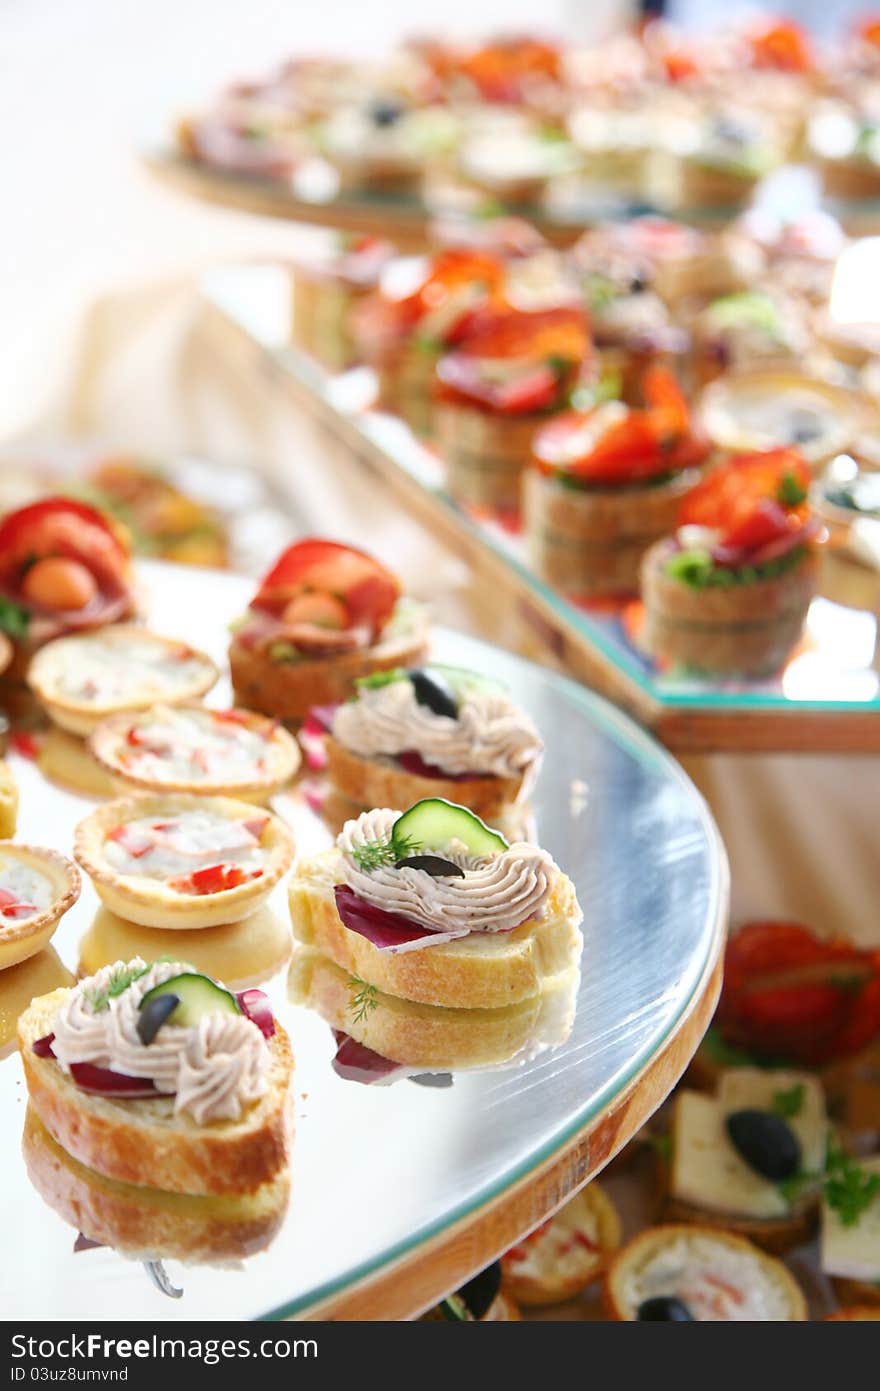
<point x="147" y="1224"/>
<point x="289" y="690"/>
<point x="381" y="782"/>
<point x="566" y="1253"/>
<point x="433" y="1037"/>
<point x="707" y="1180"/>
<point x="485" y="970"/>
<point x="484" y="454"/>
<point x="751" y="1285"/>
<point x="143" y="1142"/>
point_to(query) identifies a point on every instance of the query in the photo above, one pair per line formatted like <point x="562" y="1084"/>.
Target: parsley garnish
<point x="379" y="678"/>
<point x="790" y="492"/>
<point x="789" y="1102"/>
<point x="14" y="619"/>
<point x="849" y="1190"/>
<point x="791" y="1188"/>
<point x="364" y="999"/>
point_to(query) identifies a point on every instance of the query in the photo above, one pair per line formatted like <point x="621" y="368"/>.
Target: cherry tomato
<point x="58" y="583"/>
<point x="352" y="579"/>
<point x="782" y="45"/>
<point x="59" y="527"/>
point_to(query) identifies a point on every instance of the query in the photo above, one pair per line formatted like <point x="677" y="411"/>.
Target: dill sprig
<point x="789" y="1102"/>
<point x="377" y="854"/>
<point x="364" y="999"/>
<point x="117" y="985"/>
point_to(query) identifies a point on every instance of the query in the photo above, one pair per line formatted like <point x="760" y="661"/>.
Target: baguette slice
<point x="381" y="782"/>
<point x="143" y="1142"/>
<point x="147" y="1224"/>
<point x="485" y="970"/>
<point x="720" y="1276"/>
<point x="566" y="1253"/>
<point x="432" y="1037"/>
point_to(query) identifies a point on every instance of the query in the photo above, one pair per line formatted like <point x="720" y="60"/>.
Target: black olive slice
<point x="665" y="1308"/>
<point x="765" y="1142"/>
<point x="153" y="1015"/>
<point x="434" y="691"/>
<point x="385" y="112"/>
<point x="435" y="865"/>
<point x="432" y="1079"/>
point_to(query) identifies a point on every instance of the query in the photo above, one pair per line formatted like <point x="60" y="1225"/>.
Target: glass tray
<point x="826" y="699"/>
<point x="378" y="1171"/>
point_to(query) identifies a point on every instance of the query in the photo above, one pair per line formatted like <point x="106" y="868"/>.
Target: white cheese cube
<point x="853" y="1252"/>
<point x="707" y="1172"/>
<point x="743" y="1088"/>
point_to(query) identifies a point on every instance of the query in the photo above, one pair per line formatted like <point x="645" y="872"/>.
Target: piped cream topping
<point x="497" y="893"/>
<point x="489" y="735"/>
<point x="215" y="1069"/>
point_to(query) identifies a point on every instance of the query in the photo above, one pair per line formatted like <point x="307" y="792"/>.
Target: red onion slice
<point x="255" y="1004"/>
<point x="387" y="931"/>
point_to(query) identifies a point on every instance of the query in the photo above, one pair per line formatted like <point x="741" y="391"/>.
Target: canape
<point x="37" y="887"/>
<point x="844" y="140"/>
<point x="850" y="1243"/>
<point x="245" y="134"/>
<point x="796" y="256"/>
<point x="678" y="261"/>
<point x="431" y="905"/>
<point x="324" y="615"/>
<point x="748" y="329"/>
<point x="163" y="520"/>
<point x="385" y="143"/>
<point x="63" y="569"/>
<point x="380" y="1037"/>
<point x="771" y="408"/>
<point x="182" y="862"/>
<point x="325" y="291"/>
<point x="716" y="162"/>
<point x="728" y="593"/>
<point x="515" y="163"/>
<point x="158" y="1076"/>
<point x="682" y="1274"/>
<point x="189" y="748"/>
<point x="496" y="389"/>
<point x="148" y="1224"/>
<point x="433" y="731"/>
<point x="605" y="483"/>
<point x="83" y="679"/>
<point x="752" y="1156"/>
<point x="630" y="323"/>
<point x="566" y="1253"/>
<point x="422" y="307"/>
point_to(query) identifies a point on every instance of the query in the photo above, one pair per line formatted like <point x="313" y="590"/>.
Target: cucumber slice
<point x="462" y="680"/>
<point x="196" y="995"/>
<point x="432" y="823"/>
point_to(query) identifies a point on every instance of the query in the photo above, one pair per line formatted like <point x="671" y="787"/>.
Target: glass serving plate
<point x="826" y="698"/>
<point x="379" y="1171"/>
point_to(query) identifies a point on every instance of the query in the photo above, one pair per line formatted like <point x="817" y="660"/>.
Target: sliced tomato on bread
<point x="325" y="584"/>
<point x="791" y="995"/>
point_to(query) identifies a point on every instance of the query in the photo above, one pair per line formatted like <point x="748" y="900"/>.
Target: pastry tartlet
<point x="190" y="748"/>
<point x="37" y="887"/>
<point x="157" y="1076"/>
<point x="496" y="389"/>
<point x="728" y="594"/>
<point x="82" y="680"/>
<point x="63" y="569"/>
<point x="324" y="615"/>
<point x="432" y="731"/>
<point x="422" y="307"/>
<point x="182" y="862"/>
<point x="743" y="411"/>
<point x="566" y="1253"/>
<point x="605" y="483"/>
<point x="431" y="905"/>
<point x="383" y="144"/>
<point x="751" y="1157"/>
<point x="678" y="1274"/>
